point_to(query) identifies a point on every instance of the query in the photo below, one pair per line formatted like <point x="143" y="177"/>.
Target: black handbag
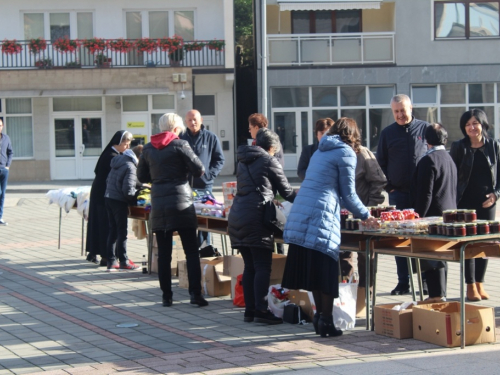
<point x="273" y="219"/>
<point x="292" y="314"/>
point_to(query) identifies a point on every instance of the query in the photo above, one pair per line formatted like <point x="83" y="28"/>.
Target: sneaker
<point x="128" y="265"/>
<point x="197" y="299"/>
<point x="92" y="259"/>
<point x="400" y="289"/>
<point x="266" y="317"/>
<point x="2" y="222"/>
<point x="115" y="266"/>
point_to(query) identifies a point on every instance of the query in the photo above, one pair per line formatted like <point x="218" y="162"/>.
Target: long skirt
<point x="311" y="270"/>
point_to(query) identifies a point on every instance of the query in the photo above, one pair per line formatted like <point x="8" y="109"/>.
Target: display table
<point x="431" y="247"/>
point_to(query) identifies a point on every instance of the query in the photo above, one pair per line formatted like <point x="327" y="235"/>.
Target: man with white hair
<point x="400" y="147"/>
<point x="206" y="146"/>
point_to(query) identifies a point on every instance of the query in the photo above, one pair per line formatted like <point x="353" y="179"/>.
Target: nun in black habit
<point x="97" y="227"/>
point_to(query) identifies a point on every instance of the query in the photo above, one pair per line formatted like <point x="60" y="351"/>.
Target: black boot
<point x="197" y="299"/>
<point x="327" y="328"/>
<point x="248" y="316"/>
<point x="315" y="322"/>
<point x="267" y="317"/>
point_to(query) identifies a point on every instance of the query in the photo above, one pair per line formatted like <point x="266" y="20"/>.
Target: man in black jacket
<point x="206" y="146"/>
<point x="400" y="146"/>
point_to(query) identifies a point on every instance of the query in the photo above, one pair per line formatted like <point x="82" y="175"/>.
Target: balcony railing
<point x="331" y="49"/>
<point x="51" y="58"/>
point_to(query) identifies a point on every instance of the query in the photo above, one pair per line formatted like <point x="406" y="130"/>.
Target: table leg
<point x="374" y="294"/>
<point x="419" y="278"/>
<point x="149" y="234"/>
<point x="410" y="272"/>
<point x="60" y="219"/>
<point x="367" y="281"/>
<point x="83" y="230"/>
<point x="462" y="296"/>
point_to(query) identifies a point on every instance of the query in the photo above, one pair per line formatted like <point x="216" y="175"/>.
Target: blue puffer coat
<point x="314" y="221"/>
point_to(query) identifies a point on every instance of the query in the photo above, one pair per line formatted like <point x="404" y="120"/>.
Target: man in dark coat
<point x="206" y="146"/>
<point x="434" y="190"/>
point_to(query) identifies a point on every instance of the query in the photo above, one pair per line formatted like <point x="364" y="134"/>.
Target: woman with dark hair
<point x="313" y="226"/>
<point x="256" y="122"/>
<point x="166" y="162"/>
<point x="259" y="175"/>
<point x="98" y="225"/>
<point x="321" y="127"/>
<point x="434" y="191"/>
<point x="477" y="158"/>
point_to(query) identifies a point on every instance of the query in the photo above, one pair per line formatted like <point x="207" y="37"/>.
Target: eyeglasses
<point x="474" y="124"/>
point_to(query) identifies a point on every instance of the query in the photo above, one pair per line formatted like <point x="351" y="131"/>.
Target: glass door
<point x="292" y="128"/>
<point x="77" y="146"/>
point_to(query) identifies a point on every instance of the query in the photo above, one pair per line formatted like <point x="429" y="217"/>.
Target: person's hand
<point x="371" y="222"/>
<point x="146" y="186"/>
<point x="277" y="203"/>
<point x="490" y="201"/>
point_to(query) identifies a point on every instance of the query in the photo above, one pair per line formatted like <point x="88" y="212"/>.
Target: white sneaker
<point x="2" y="222"/>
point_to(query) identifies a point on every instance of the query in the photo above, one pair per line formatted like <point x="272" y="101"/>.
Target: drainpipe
<point x="264" y="58"/>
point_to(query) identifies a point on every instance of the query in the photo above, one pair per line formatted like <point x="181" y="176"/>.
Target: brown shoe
<point x="481" y="291"/>
<point x="472" y="293"/>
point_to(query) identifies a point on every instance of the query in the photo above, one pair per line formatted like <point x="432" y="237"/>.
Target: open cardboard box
<point x="305" y="300"/>
<point x="439" y="323"/>
<point x="177" y="255"/>
<point x="235" y="265"/>
<point x="213" y="282"/>
<point x="393" y="323"/>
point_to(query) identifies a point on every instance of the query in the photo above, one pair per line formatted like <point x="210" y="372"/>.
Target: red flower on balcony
<point x="11" y="47"/>
<point x="94" y="45"/>
<point x="216" y="45"/>
<point x="194" y="46"/>
<point x="120" y="45"/>
<point x="171" y="44"/>
<point x="37" y="45"/>
<point x="146" y="45"/>
<point x="65" y="45"/>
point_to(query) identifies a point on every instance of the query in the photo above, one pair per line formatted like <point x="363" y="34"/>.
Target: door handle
<point x="295" y="141"/>
<point x="82" y="149"/>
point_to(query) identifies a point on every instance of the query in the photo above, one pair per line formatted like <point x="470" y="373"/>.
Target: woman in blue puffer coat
<point x="313" y="226"/>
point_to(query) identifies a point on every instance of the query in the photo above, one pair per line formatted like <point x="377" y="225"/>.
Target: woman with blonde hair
<point x="166" y="162"/>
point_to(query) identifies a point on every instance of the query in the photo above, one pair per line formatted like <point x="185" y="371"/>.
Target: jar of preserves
<point x="390" y="208"/>
<point x="450" y="230"/>
<point x="432" y="229"/>
<point x="471" y="229"/>
<point x="494" y="227"/>
<point x="355" y="224"/>
<point x="483" y="227"/>
<point x="459" y="230"/>
<point x="470" y="216"/>
<point x="441" y="229"/>
<point x="348" y="224"/>
<point x="344" y="215"/>
<point x="449" y="216"/>
<point x="460" y="216"/>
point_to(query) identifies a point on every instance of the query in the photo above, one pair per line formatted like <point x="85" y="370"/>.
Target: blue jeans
<point x="4" y="176"/>
<point x="401" y="200"/>
<point x="204" y="236"/>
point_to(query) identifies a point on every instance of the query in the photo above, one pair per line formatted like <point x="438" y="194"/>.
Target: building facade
<point x="348" y="58"/>
<point x="72" y="74"/>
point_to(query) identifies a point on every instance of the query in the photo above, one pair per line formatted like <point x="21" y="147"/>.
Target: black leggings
<point x="256" y="277"/>
<point x="324" y="303"/>
<point x="475" y="269"/>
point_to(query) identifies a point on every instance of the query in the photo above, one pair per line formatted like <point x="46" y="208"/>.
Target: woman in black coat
<point x="166" y="162"/>
<point x="477" y="158"/>
<point x="257" y="169"/>
<point x="434" y="191"/>
<point x="98" y="225"/>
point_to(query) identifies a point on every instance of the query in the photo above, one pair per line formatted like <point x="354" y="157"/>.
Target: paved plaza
<point x="60" y="314"/>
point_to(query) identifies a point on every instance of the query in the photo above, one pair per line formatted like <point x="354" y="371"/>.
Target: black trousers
<point x="116" y="245"/>
<point x="475" y="269"/>
<point x="436" y="281"/>
<point x="190" y="244"/>
<point x="256" y="276"/>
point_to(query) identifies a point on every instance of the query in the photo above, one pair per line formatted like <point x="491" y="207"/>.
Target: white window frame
<point x="73" y="29"/>
<point x="4" y="116"/>
<point x="171" y="20"/>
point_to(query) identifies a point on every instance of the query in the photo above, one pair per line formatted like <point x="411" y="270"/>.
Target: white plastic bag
<point x="344" y="307"/>
<point x="286" y="207"/>
<point x="276" y="306"/>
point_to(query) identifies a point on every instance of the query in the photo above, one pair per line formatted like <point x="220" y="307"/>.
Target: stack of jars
<point x="461" y="223"/>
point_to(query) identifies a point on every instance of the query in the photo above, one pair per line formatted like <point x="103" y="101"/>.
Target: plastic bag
<point x="344" y="307"/>
<point x="239" y="299"/>
<point x="277" y="298"/>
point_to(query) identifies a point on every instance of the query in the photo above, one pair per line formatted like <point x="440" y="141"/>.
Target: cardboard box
<point x="393" y="323"/>
<point x="236" y="267"/>
<point x="177" y="254"/>
<point x="305" y="300"/>
<point x="439" y="323"/>
<point x="182" y="274"/>
<point x="213" y="282"/>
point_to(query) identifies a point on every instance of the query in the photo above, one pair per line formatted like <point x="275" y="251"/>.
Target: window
<point x="18" y="124"/>
<point x="60" y="25"/>
<point x="205" y="104"/>
<point x="466" y="19"/>
<point x="160" y="24"/>
<point x="445" y="103"/>
<point x="75" y="103"/>
<point x="317" y="22"/>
